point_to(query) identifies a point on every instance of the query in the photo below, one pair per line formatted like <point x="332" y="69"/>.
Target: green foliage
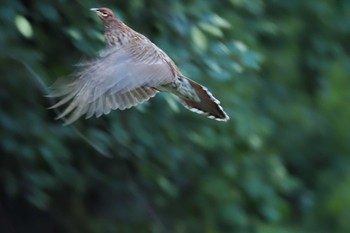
<point x="281" y="164"/>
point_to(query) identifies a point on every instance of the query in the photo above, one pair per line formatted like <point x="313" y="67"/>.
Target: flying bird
<point x="129" y="72"/>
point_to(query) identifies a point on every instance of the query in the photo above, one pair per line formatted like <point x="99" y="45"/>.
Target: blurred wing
<point x="120" y="79"/>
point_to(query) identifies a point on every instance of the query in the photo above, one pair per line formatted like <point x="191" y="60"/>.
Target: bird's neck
<point x="116" y="33"/>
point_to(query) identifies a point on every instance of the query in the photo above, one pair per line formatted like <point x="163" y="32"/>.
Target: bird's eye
<point x="104" y="13"/>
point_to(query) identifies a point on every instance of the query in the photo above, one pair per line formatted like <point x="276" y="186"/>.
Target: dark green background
<point x="281" y="164"/>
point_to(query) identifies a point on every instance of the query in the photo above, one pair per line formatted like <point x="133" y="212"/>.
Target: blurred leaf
<point x="199" y="38"/>
<point x="24" y="26"/>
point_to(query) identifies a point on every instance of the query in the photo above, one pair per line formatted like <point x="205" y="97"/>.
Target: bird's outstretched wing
<point x="121" y="78"/>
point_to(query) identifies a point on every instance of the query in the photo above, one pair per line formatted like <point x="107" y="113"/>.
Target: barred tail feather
<point x="207" y="105"/>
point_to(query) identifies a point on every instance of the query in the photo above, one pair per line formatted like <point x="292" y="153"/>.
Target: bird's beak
<point x="94" y="9"/>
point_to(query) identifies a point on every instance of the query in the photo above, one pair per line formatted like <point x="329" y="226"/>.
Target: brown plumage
<point x="131" y="71"/>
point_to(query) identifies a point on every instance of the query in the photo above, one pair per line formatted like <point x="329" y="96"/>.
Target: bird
<point x="130" y="71"/>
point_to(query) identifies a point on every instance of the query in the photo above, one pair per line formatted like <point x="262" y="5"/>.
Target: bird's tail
<point x="205" y="104"/>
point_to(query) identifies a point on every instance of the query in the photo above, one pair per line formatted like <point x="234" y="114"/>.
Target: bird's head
<point x="104" y="13"/>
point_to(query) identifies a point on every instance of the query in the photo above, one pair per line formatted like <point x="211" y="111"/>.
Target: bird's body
<point x="131" y="71"/>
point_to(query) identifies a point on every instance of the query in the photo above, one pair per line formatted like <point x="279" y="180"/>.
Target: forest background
<point x="281" y="164"/>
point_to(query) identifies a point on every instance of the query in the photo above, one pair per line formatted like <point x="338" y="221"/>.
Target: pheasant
<point x="129" y="72"/>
